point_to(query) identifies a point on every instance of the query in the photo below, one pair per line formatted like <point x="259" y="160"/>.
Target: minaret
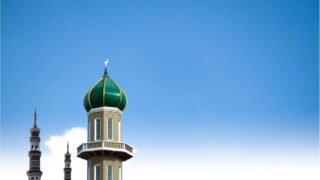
<point x="105" y="151"/>
<point x="67" y="165"/>
<point x="34" y="172"/>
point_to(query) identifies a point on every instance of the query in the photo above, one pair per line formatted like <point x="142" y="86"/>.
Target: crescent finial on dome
<point x="105" y="66"/>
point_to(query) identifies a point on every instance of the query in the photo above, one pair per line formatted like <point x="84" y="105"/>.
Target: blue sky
<point x="221" y="74"/>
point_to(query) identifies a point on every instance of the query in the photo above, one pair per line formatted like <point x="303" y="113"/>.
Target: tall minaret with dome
<point x="34" y="172"/>
<point x="104" y="150"/>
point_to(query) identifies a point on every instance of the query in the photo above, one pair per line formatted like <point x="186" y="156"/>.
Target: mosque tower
<point x="34" y="172"/>
<point x="67" y="165"/>
<point x="104" y="151"/>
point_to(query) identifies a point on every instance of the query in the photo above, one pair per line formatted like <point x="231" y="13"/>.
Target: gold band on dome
<point x="120" y="98"/>
<point x="89" y="100"/>
<point x="126" y="100"/>
<point x="104" y="87"/>
<point x="119" y="92"/>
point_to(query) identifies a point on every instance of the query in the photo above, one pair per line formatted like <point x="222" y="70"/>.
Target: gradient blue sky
<point x="222" y="75"/>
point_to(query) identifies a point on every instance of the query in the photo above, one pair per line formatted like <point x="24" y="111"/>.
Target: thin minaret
<point x="34" y="172"/>
<point x="67" y="165"/>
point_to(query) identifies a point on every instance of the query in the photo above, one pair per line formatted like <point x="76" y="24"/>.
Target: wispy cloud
<point x="188" y="165"/>
<point x="197" y="165"/>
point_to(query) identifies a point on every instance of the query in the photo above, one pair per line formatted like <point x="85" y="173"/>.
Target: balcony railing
<point x="115" y="146"/>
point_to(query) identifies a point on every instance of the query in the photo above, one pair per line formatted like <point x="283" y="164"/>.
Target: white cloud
<point x="53" y="160"/>
<point x="14" y="165"/>
<point x="188" y="165"/>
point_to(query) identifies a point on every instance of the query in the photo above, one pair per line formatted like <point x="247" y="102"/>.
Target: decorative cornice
<point x="105" y="109"/>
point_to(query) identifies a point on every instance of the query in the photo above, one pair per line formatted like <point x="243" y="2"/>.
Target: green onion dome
<point x="105" y="92"/>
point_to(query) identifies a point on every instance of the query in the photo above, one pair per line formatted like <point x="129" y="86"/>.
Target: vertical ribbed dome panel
<point x="105" y="92"/>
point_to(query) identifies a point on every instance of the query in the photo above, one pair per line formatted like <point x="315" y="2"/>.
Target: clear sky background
<point x="225" y="75"/>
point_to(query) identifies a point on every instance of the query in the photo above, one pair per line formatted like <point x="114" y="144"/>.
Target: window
<point x="89" y="126"/>
<point x="97" y="173"/>
<point x="110" y="128"/>
<point x="110" y="172"/>
<point x="119" y="131"/>
<point x="120" y="173"/>
<point x="88" y="170"/>
<point x="98" y="129"/>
